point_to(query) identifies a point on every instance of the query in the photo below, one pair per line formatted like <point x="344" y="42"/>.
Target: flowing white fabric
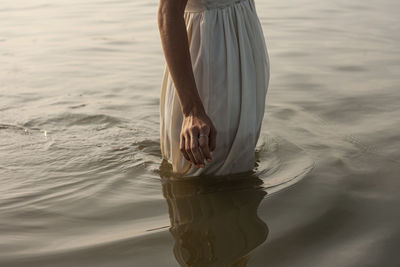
<point x="231" y="68"/>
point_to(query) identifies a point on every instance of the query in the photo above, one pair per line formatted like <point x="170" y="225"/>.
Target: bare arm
<point x="176" y="50"/>
<point x="193" y="144"/>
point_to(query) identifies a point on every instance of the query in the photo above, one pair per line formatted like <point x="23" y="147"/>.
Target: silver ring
<point x="206" y="135"/>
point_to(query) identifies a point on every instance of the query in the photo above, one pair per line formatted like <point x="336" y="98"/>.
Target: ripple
<point x="75" y="119"/>
<point x="281" y="163"/>
<point x="351" y="68"/>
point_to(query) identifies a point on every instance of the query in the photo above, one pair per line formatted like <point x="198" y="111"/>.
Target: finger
<point x="182" y="147"/>
<point x="212" y="142"/>
<point x="197" y="154"/>
<point x="188" y="150"/>
<point x="194" y="146"/>
<point x="203" y="143"/>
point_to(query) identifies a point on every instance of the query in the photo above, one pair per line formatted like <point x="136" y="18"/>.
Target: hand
<point x="198" y="138"/>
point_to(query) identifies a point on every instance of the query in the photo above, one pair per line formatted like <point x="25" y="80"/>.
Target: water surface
<point x="81" y="177"/>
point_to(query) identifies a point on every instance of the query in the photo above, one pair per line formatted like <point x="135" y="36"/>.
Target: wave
<point x="67" y="119"/>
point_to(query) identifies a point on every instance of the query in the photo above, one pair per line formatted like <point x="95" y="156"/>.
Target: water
<point x="81" y="177"/>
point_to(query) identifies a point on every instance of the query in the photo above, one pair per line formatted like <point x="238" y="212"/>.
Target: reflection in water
<point x="214" y="220"/>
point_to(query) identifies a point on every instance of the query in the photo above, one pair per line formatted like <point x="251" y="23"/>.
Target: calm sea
<point x="81" y="177"/>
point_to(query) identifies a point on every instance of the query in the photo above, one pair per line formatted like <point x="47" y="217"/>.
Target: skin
<point x="198" y="134"/>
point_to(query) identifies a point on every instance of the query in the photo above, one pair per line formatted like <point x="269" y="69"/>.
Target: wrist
<point x="193" y="110"/>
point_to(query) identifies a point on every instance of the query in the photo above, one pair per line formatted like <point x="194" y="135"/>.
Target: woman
<point x="214" y="87"/>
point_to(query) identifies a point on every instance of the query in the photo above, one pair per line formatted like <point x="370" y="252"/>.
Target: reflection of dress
<point x="231" y="69"/>
<point x="215" y="223"/>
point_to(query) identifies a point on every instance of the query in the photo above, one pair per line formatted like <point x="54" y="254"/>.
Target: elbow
<point x="169" y="14"/>
<point x="162" y="17"/>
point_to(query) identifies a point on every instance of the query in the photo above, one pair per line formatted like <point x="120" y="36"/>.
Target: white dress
<point x="231" y="68"/>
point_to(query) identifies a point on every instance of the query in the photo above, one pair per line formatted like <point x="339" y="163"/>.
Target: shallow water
<point x="81" y="177"/>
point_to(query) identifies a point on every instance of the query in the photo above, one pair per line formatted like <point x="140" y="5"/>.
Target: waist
<point x="202" y="5"/>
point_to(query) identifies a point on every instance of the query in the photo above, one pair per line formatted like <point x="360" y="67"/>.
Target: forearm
<point x="175" y="44"/>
